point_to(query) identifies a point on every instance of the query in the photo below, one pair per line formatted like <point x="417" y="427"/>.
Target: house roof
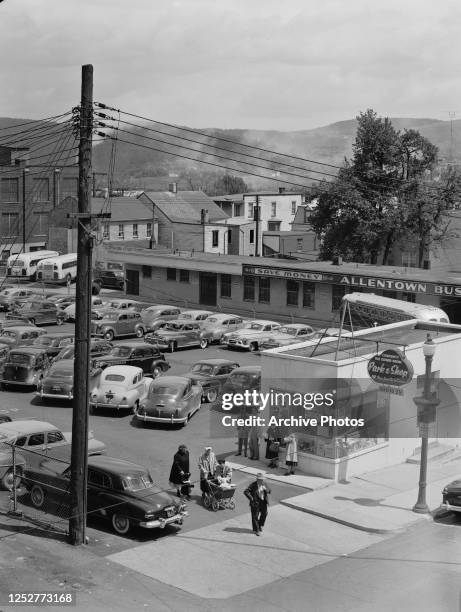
<point x="184" y="205"/>
<point x="122" y="209"/>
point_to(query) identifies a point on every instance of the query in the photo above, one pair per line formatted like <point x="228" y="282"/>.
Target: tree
<point x="228" y="185"/>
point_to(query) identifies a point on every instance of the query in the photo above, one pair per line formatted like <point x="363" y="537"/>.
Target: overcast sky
<point x="263" y="64"/>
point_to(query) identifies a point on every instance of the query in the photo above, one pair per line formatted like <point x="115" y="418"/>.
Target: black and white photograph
<point x="230" y="306"/>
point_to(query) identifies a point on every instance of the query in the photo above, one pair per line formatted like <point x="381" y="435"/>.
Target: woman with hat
<point x="291" y="459"/>
<point x="179" y="473"/>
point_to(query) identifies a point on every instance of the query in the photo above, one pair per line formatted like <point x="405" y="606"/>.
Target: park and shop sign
<point x="354" y="281"/>
<point x="390" y="367"/>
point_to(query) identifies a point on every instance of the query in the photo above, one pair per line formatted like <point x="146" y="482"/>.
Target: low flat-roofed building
<point x="334" y="443"/>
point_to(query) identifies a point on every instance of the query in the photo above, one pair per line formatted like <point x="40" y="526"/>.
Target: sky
<point x="250" y="64"/>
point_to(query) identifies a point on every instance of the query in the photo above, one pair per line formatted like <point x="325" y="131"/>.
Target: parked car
<point x="44" y="439"/>
<point x="54" y="342"/>
<point x="171" y="399"/>
<point x="98" y="347"/>
<point x="119" y="491"/>
<point x="215" y="326"/>
<point x="141" y="355"/>
<point x="122" y="304"/>
<point x="68" y="313"/>
<point x="4" y="353"/>
<point x="20" y="335"/>
<point x="451" y="496"/>
<point x="116" y="324"/>
<point x="113" y="279"/>
<point x="61" y="301"/>
<point x="286" y="335"/>
<point x="58" y="381"/>
<point x="243" y="379"/>
<point x="248" y="338"/>
<point x="194" y="315"/>
<point x="36" y="312"/>
<point x="211" y="374"/>
<point x="156" y="313"/>
<point x="177" y="335"/>
<point x="4" y="323"/>
<point x="13" y="296"/>
<point x="122" y="387"/>
<point x="24" y="366"/>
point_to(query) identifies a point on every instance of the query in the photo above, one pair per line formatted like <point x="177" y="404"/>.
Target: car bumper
<point x="160" y="419"/>
<point x="110" y="405"/>
<point x="237" y="344"/>
<point x="62" y="396"/>
<point x="162" y="523"/>
<point x="450" y="507"/>
<point x="19" y="383"/>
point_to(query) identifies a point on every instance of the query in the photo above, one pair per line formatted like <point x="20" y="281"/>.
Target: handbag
<point x="274" y="447"/>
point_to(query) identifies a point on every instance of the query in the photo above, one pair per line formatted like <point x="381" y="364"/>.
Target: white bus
<point x="24" y="265"/>
<point x="61" y="269"/>
<point x="369" y="309"/>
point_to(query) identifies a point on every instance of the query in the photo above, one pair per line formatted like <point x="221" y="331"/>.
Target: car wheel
<point x="203" y="343"/>
<point x="140" y="332"/>
<point x="121" y="524"/>
<point x="9" y="480"/>
<point x="207" y="500"/>
<point x="215" y="505"/>
<point x="253" y="347"/>
<point x="109" y="335"/>
<point x="37" y="496"/>
<point x="211" y="395"/>
<point x="59" y="321"/>
<point x="32" y="321"/>
<point x="172" y="346"/>
<point x="156" y="372"/>
<point x="231" y="504"/>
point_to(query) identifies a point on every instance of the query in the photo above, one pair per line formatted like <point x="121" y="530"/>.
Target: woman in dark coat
<point x="180" y="472"/>
<point x="273" y="442"/>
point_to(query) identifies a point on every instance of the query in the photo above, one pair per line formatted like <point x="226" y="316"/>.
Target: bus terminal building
<point x="262" y="287"/>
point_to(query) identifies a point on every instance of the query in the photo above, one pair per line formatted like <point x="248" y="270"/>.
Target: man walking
<point x="258" y="494"/>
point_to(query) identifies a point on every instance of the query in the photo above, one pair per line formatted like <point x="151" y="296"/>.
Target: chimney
<point x="173" y="187"/>
<point x="282" y="189"/>
<point x="204" y="216"/>
<point x="337" y="260"/>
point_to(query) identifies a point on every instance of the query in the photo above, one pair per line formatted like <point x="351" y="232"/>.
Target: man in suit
<point x="258" y="494"/>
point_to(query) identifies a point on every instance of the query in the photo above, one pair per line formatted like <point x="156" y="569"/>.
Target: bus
<point x="24" y="265"/>
<point x="61" y="269"/>
<point x="369" y="310"/>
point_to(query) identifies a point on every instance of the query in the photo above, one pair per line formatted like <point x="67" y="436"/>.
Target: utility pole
<point x="257" y="216"/>
<point x="24" y="184"/>
<point x="79" y="457"/>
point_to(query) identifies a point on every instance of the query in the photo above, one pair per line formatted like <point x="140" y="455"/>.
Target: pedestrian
<point x="223" y="470"/>
<point x="291" y="459"/>
<point x="273" y="441"/>
<point x="253" y="441"/>
<point x="258" y="494"/>
<point x="179" y="473"/>
<point x="242" y="435"/>
<point x="207" y="465"/>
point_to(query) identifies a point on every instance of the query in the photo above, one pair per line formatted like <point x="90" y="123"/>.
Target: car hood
<point x="200" y="378"/>
<point x="165" y="334"/>
<point x="246" y="333"/>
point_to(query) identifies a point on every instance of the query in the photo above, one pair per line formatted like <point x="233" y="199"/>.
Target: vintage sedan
<point x="245" y="378"/>
<point x="171" y="399"/>
<point x="13" y="296"/>
<point x="451" y="496"/>
<point x="36" y="440"/>
<point x="36" y="312"/>
<point x="68" y="313"/>
<point x="20" y="335"/>
<point x="216" y="325"/>
<point x="177" y="335"/>
<point x="98" y="347"/>
<point x="114" y="279"/>
<point x="58" y="381"/>
<point x="141" y="355"/>
<point x="119" y="491"/>
<point x="54" y="342"/>
<point x="249" y="337"/>
<point x="286" y="335"/>
<point x="119" y="323"/>
<point x="120" y="387"/>
<point x="194" y="315"/>
<point x="157" y="313"/>
<point x="25" y="366"/>
<point x="211" y="374"/>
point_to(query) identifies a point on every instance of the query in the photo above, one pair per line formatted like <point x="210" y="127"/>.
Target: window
<point x="69" y="187"/>
<point x="299" y="244"/>
<point x="149" y="230"/>
<point x="292" y="293"/>
<point x="146" y="271"/>
<point x="10" y="223"/>
<point x="252" y="236"/>
<point x="409" y="297"/>
<point x="135" y="230"/>
<point x="229" y="236"/>
<point x="226" y="285"/>
<point x="338" y="292"/>
<point x="183" y="276"/>
<point x="98" y="479"/>
<point x="250" y="211"/>
<point x="215" y="238"/>
<point x="293" y="208"/>
<point x="274" y="209"/>
<point x="37" y="439"/>
<point x="237" y="210"/>
<point x="121" y="232"/>
<point x="54" y="436"/>
<point x="409" y="259"/>
<point x="249" y="288"/>
<point x="264" y="290"/>
<point x="41" y="190"/>
<point x="308" y="295"/>
<point x="171" y="274"/>
<point x="273" y="226"/>
<point x="9" y="190"/>
<point x="105" y="231"/>
<point x="41" y="225"/>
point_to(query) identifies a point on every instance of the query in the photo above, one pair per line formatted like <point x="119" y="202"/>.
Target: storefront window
<point x="249" y="288"/>
<point x="292" y="293"/>
<point x="309" y="295"/>
<point x="264" y="290"/>
<point x="338" y="292"/>
<point x="226" y="286"/>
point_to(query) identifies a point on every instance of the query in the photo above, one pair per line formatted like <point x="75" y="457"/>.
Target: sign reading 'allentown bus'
<point x="351" y="280"/>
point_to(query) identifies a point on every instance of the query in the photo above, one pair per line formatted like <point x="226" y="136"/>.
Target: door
<point x="208" y="288"/>
<point x="132" y="282"/>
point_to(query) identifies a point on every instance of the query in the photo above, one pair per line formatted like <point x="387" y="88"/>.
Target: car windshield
<point x="173" y="326"/>
<point x="111" y="316"/>
<point x="61" y="373"/>
<point x="288" y="330"/>
<point x="242" y="379"/>
<point x="43" y="340"/>
<point x="164" y="390"/>
<point x="114" y="378"/>
<point x="20" y="358"/>
<point x="120" y="351"/>
<point x="9" y="334"/>
<point x="6" y="292"/>
<point x="211" y="320"/>
<point x="137" y="483"/>
<point x="203" y="368"/>
<point x="30" y="306"/>
<point x="114" y="304"/>
<point x="255" y="326"/>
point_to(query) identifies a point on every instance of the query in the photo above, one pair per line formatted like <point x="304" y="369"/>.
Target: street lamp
<point x="426" y="413"/>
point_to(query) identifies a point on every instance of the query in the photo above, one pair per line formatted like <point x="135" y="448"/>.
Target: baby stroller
<point x="218" y="496"/>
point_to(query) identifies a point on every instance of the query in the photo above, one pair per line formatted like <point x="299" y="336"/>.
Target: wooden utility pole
<point x="79" y="457"/>
<point x="257" y="217"/>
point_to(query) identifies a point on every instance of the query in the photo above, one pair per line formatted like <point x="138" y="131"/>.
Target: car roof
<point x="60" y="334"/>
<point x="26" y="427"/>
<point x="134" y="345"/>
<point x="29" y="350"/>
<point x="122" y="369"/>
<point x="115" y="466"/>
<point x="171" y="380"/>
<point x="296" y="325"/>
<point x="221" y="316"/>
<point x="195" y="312"/>
<point x="214" y="362"/>
<point x="23" y="328"/>
<point x="251" y="369"/>
<point x="263" y="322"/>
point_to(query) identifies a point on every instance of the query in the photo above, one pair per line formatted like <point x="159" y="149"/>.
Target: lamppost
<point x="426" y="415"/>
